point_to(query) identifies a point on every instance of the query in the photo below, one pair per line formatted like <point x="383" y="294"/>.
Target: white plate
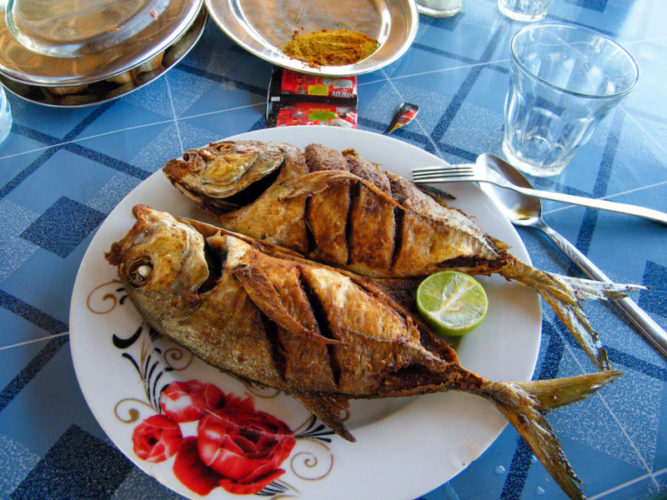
<point x="404" y="447"/>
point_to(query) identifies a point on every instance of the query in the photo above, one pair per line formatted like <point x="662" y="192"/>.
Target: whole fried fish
<point x="320" y="334"/>
<point x="340" y="209"/>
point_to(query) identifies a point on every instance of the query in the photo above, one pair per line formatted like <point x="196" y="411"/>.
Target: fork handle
<point x="612" y="206"/>
<point x="644" y="323"/>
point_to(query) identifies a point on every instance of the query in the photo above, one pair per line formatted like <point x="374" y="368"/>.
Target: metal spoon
<point x="527" y="211"/>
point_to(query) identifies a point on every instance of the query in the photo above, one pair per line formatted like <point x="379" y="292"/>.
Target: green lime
<point x="452" y="303"/>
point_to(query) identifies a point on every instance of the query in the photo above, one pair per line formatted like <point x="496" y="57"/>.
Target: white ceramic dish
<point x="404" y="448"/>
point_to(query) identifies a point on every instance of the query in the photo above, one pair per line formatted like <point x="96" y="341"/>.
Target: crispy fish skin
<point x="319" y="334"/>
<point x="342" y="210"/>
<point x="319" y="205"/>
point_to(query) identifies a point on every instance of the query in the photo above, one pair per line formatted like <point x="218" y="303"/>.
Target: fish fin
<point x="441" y="197"/>
<point x="500" y="245"/>
<point x="260" y="290"/>
<point x="523" y="404"/>
<point x="216" y="236"/>
<point x="330" y="409"/>
<point x="316" y="182"/>
<point x="567" y="390"/>
<point x="564" y="297"/>
<point x="205" y="229"/>
<point x="585" y="289"/>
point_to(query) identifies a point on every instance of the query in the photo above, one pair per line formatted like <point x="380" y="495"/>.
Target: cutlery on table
<point x="486" y="169"/>
<point x="526" y="211"/>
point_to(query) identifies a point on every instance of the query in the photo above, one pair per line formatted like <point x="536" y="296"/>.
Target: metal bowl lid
<point x="76" y="42"/>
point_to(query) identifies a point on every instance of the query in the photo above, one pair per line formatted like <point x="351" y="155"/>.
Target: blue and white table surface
<point x="63" y="170"/>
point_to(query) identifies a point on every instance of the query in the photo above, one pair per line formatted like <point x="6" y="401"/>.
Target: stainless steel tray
<point x="102" y="39"/>
<point x="264" y="26"/>
<point x="108" y="90"/>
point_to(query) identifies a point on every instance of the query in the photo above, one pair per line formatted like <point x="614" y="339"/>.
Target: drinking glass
<point x="5" y="115"/>
<point x="524" y="10"/>
<point x="439" y="8"/>
<point x="564" y="79"/>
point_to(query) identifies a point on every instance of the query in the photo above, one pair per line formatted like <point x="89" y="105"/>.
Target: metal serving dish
<point x="114" y="48"/>
<point x="263" y="27"/>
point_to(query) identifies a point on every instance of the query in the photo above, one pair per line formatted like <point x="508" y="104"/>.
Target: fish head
<point x="217" y="175"/>
<point x="160" y="259"/>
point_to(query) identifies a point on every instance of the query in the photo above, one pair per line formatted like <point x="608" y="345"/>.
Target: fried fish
<point x="320" y="334"/>
<point x="340" y="209"/>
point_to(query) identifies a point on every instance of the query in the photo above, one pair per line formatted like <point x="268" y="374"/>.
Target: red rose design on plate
<point x="191" y="471"/>
<point x="245" y="446"/>
<point x="236" y="447"/>
<point x="187" y="401"/>
<point x="156" y="438"/>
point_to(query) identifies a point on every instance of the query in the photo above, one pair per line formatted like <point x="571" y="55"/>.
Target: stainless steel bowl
<point x="98" y="59"/>
<point x="263" y="27"/>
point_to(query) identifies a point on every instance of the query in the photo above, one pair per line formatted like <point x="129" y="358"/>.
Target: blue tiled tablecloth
<point x="63" y="170"/>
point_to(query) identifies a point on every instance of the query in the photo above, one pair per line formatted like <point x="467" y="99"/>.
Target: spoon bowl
<point x="522" y="210"/>
<point x="526" y="211"/>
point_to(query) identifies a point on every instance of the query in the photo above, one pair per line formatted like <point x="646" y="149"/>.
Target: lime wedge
<point x="452" y="303"/>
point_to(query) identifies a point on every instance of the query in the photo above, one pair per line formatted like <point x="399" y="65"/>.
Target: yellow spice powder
<point x="331" y="48"/>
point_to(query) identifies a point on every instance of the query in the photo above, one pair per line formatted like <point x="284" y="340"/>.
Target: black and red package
<point x="300" y="99"/>
<point x="405" y="113"/>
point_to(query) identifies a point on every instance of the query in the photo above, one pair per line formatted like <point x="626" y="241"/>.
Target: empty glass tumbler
<point x="439" y="8"/>
<point x="526" y="11"/>
<point x="564" y="79"/>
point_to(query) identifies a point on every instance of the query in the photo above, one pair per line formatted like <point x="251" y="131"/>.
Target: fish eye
<point x="139" y="272"/>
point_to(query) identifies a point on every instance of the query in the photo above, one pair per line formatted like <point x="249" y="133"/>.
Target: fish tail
<point x="585" y="289"/>
<point x="524" y="403"/>
<point x="564" y="295"/>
